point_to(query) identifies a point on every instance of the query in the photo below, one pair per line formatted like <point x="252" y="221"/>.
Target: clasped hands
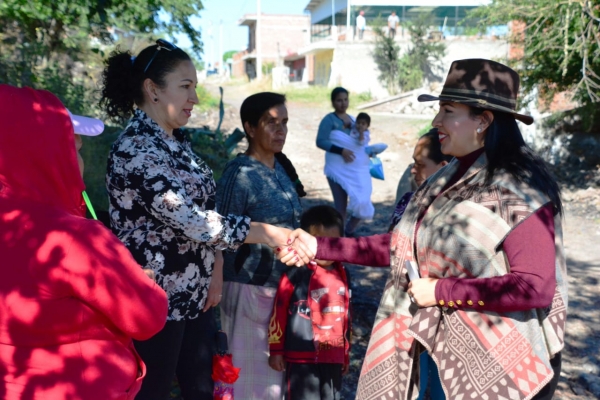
<point x="297" y="247"/>
<point x="301" y="247"/>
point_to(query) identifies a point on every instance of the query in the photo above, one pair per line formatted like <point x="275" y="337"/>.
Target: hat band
<point x="482" y="97"/>
<point x="478" y="103"/>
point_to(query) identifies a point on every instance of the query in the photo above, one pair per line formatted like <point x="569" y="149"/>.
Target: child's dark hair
<point x="364" y="117"/>
<point x="336" y="92"/>
<point x="434" y="147"/>
<point x="251" y="111"/>
<point x="124" y="76"/>
<point x="323" y="215"/>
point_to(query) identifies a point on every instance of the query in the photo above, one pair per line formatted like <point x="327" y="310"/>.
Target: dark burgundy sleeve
<point x="531" y="283"/>
<point x="373" y="251"/>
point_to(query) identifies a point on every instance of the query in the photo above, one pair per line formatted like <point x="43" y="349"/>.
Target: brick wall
<point x="280" y="34"/>
<point x="238" y="66"/>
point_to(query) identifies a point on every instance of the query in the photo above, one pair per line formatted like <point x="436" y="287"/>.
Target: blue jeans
<point x="430" y="378"/>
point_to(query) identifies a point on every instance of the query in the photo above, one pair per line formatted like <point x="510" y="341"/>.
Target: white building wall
<point x="470" y="47"/>
<point x="354" y="69"/>
<point x="353" y="66"/>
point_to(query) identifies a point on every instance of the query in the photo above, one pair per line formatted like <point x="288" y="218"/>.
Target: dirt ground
<point x="581" y="356"/>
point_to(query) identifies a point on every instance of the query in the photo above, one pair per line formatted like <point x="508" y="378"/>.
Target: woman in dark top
<point x="485" y="235"/>
<point x="162" y="206"/>
<point x="262" y="184"/>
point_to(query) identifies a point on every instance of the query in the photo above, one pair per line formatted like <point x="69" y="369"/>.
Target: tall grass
<point x="206" y="100"/>
<point x="321" y="95"/>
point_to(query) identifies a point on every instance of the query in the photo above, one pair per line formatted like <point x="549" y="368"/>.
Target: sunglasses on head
<point x="161" y="44"/>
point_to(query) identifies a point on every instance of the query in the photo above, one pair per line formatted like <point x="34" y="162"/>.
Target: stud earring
<point x="156" y="99"/>
<point x="478" y="130"/>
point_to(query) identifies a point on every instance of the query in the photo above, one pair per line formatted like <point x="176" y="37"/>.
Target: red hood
<point x="38" y="161"/>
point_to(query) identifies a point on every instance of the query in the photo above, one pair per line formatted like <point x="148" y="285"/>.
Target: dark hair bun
<point x="117" y="99"/>
<point x="123" y="77"/>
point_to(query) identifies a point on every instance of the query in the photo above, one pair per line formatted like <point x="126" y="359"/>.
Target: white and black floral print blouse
<point x="162" y="206"/>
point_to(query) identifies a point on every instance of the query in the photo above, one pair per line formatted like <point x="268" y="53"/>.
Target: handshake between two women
<point x="299" y="248"/>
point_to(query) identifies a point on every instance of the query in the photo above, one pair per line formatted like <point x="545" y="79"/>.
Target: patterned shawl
<point x="480" y="354"/>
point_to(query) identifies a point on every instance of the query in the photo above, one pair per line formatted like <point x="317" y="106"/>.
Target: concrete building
<point x="446" y="13"/>
<point x="280" y="38"/>
<point x="341" y="59"/>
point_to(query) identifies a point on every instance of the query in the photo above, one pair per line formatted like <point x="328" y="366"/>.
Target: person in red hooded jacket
<point x="71" y="295"/>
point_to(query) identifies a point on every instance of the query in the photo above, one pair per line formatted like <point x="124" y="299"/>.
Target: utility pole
<point x="257" y="38"/>
<point x="221" y="59"/>
<point x="332" y="12"/>
<point x="211" y="57"/>
<point x="349" y="36"/>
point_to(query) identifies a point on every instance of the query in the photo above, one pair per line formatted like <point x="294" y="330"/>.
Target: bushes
<point x="95" y="157"/>
<point x="406" y="72"/>
<point x="385" y="55"/>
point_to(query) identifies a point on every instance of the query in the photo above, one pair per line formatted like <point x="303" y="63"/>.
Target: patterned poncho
<point x="480" y="354"/>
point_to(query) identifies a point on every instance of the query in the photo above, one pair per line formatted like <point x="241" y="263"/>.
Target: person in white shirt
<point x="393" y="22"/>
<point x="360" y="24"/>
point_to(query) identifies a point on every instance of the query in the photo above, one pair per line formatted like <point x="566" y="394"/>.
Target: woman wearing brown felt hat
<point x="484" y="235"/>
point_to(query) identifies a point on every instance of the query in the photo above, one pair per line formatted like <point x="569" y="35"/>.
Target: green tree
<point x="58" y="44"/>
<point x="229" y="54"/>
<point x="560" y="42"/>
<point x="53" y="22"/>
<point x="385" y="55"/>
<point x="417" y="63"/>
<point x="408" y="71"/>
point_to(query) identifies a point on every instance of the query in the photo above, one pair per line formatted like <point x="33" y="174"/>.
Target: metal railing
<point x="319" y="33"/>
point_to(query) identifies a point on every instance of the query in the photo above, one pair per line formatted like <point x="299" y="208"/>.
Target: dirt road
<point x="581" y="356"/>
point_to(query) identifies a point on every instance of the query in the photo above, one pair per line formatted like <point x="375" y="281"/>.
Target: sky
<point x="235" y="37"/>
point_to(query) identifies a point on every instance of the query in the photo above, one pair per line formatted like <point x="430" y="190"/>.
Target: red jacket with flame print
<point x="310" y="321"/>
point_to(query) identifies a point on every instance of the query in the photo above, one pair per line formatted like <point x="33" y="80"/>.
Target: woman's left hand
<point x="215" y="290"/>
<point x="423" y="291"/>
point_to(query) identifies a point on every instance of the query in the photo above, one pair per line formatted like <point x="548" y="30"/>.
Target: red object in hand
<point x="223" y="369"/>
<point x="224" y="375"/>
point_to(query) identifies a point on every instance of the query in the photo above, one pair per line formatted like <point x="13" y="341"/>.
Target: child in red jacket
<point x="310" y="325"/>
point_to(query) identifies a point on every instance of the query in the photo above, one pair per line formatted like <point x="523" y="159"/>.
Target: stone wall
<point x="563" y="141"/>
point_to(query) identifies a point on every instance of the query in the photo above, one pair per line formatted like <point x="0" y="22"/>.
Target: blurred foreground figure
<point x="71" y="295"/>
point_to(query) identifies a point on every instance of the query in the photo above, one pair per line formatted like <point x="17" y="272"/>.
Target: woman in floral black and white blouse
<point x="162" y="206"/>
